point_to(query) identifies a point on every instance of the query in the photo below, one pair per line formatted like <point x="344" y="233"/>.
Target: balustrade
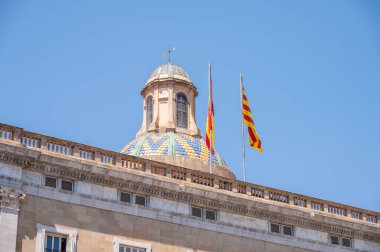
<point x="299" y="202"/>
<point x="86" y="154"/>
<point x="30" y="141"/>
<point x="6" y="134"/>
<point x="257" y="192"/>
<point x="178" y="174"/>
<point x="337" y="210"/>
<point x="59" y="148"/>
<point x="242" y="189"/>
<point x="279" y="197"/>
<point x="34" y="140"/>
<point x="317" y="206"/>
<point x="225" y="185"/>
<point x="202" y="180"/>
<point x="159" y="170"/>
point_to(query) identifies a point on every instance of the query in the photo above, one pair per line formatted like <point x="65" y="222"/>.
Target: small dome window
<point x="149" y="111"/>
<point x="182" y="117"/>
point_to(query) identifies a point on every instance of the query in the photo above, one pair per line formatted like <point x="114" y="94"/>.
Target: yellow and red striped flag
<point x="254" y="140"/>
<point x="210" y="135"/>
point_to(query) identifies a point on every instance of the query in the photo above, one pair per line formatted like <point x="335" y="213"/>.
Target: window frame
<point x="55" y="235"/>
<point x="349" y="239"/>
<point x="149" y="111"/>
<point x="56" y="182"/>
<point x="340" y="241"/>
<point x="43" y="230"/>
<point x="117" y="242"/>
<point x="204" y="213"/>
<point x="281" y="229"/>
<point x="139" y="195"/>
<point x="67" y="180"/>
<point x="191" y="211"/>
<point x="130" y="197"/>
<point x="183" y="113"/>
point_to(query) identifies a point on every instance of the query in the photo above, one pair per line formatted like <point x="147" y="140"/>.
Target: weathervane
<point x="168" y="53"/>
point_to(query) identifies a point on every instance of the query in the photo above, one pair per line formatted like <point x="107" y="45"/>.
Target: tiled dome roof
<point x="169" y="70"/>
<point x="172" y="144"/>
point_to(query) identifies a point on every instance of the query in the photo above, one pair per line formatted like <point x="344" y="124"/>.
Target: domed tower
<point x="169" y="132"/>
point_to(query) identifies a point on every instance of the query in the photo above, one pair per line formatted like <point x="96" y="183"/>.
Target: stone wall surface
<point x="97" y="230"/>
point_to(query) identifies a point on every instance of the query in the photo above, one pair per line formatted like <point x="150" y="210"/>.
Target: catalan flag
<point x="210" y="135"/>
<point x="254" y="140"/>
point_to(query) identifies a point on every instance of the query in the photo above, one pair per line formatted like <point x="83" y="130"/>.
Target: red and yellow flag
<point x="210" y="135"/>
<point x="254" y="140"/>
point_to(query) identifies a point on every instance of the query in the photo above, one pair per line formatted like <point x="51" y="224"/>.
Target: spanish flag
<point x="210" y="134"/>
<point x="254" y="140"/>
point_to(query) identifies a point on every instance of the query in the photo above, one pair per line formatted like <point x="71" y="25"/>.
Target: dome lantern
<point x="169" y="132"/>
<point x="169" y="102"/>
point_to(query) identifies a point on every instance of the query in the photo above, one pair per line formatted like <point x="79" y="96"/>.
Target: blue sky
<point x="74" y="70"/>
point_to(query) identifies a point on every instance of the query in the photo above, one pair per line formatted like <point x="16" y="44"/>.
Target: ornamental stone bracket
<point x="11" y="197"/>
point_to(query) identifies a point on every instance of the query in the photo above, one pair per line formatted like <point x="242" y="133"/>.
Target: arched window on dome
<point x="181" y="110"/>
<point x="149" y="111"/>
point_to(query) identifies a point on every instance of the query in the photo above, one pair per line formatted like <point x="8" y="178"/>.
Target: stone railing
<point x="111" y="159"/>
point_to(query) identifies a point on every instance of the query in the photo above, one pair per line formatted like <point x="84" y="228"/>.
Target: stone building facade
<point x="157" y="194"/>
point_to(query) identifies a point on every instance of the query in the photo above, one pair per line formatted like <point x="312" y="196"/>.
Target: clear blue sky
<point x="74" y="70"/>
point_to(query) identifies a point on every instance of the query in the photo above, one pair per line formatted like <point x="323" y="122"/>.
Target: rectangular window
<point x="334" y="240"/>
<point x="51" y="182"/>
<point x="287" y="230"/>
<point x="125" y="197"/>
<point x="123" y="248"/>
<point x="54" y="243"/>
<point x="275" y="228"/>
<point x="140" y="200"/>
<point x="67" y="185"/>
<point x="210" y="214"/>
<point x="346" y="242"/>
<point x="196" y="211"/>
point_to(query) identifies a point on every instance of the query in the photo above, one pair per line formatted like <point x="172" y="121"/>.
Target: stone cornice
<point x="323" y="224"/>
<point x="11" y="197"/>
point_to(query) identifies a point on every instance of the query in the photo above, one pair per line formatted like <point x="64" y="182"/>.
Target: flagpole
<point x="210" y="108"/>
<point x="242" y="125"/>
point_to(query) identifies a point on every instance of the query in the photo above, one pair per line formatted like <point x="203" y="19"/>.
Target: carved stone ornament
<point x="11" y="197"/>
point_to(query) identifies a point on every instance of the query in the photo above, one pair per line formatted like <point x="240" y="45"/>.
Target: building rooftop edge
<point x="18" y="136"/>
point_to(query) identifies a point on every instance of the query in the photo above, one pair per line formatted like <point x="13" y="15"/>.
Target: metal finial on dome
<point x="167" y="53"/>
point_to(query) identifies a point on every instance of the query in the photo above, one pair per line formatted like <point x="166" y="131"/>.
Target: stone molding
<point x="11" y="197"/>
<point x="247" y="210"/>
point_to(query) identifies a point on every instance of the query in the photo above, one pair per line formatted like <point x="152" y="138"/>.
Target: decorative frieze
<point x="242" y="209"/>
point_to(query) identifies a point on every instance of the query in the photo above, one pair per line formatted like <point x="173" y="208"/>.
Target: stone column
<point x="171" y="103"/>
<point x="191" y="112"/>
<point x="10" y="199"/>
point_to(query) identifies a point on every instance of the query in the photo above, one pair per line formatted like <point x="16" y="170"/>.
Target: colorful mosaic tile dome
<point x="169" y="70"/>
<point x="171" y="144"/>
